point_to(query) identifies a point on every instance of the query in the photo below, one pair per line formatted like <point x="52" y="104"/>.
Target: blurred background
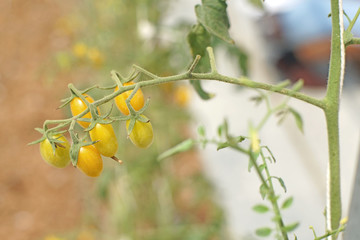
<point x="45" y="45"/>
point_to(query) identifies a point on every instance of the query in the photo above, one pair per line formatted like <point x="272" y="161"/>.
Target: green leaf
<point x="201" y="131"/>
<point x="257" y="3"/>
<point x="200" y="91"/>
<point x="199" y="39"/>
<point x="223" y="129"/>
<point x="298" y="119"/>
<point x="262" y="167"/>
<point x="213" y="16"/>
<point x="263" y="232"/>
<point x="222" y="145"/>
<point x="282" y="183"/>
<point x="272" y="157"/>
<point x="241" y="56"/>
<point x="260" y="208"/>
<point x="181" y="147"/>
<point x="291" y="227"/>
<point x="287" y="203"/>
<point x="239" y="139"/>
<point x="263" y="190"/>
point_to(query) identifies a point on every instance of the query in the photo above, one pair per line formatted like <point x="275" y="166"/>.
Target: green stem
<point x="331" y="110"/>
<point x="354" y="40"/>
<point x="242" y="81"/>
<point x="352" y="23"/>
<point x="270" y="190"/>
<point x="274" y="203"/>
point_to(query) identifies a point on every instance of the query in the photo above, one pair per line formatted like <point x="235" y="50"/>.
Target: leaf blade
<point x="213" y="16"/>
<point x="181" y="147"/>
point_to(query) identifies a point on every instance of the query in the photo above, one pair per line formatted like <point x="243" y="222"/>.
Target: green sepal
<point x="67" y="100"/>
<point x="100" y="120"/>
<point x="146" y="105"/>
<point x="131" y="126"/>
<point x="133" y="119"/>
<point x="75" y="149"/>
<point x="40" y="130"/>
<point x="37" y="141"/>
<point x="142" y="118"/>
<point x="55" y="142"/>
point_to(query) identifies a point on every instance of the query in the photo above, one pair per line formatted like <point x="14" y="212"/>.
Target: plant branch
<point x="274" y="202"/>
<point x="331" y="110"/>
<point x="353" y="21"/>
<point x="353" y="41"/>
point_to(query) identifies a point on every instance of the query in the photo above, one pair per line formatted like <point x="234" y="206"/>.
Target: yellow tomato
<point x="89" y="161"/>
<point x="137" y="102"/>
<point x="107" y="143"/>
<point x="182" y="95"/>
<point x="79" y="50"/>
<point x="60" y="157"/>
<point x="95" y="56"/>
<point x="142" y="134"/>
<point x="77" y="106"/>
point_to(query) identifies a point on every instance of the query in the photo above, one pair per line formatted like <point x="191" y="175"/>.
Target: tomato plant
<point x="142" y="133"/>
<point x="78" y="106"/>
<point x="213" y="23"/>
<point x="58" y="157"/>
<point x="106" y="140"/>
<point x="89" y="161"/>
<point x="137" y="102"/>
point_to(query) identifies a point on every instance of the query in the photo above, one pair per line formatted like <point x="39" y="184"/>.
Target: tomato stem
<point x="116" y="159"/>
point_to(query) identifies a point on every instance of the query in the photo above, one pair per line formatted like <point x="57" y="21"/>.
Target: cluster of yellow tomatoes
<point x="102" y="135"/>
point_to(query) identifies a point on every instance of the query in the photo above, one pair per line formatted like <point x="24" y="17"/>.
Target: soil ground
<point x="35" y="198"/>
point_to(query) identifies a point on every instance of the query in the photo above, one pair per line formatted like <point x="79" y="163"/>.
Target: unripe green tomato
<point x="137" y="102"/>
<point x="142" y="134"/>
<point x="107" y="143"/>
<point x="89" y="161"/>
<point x="77" y="106"/>
<point x="60" y="157"/>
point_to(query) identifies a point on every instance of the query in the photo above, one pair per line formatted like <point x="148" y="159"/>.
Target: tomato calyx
<point x="53" y="137"/>
<point x="140" y="118"/>
<point x="99" y="120"/>
<point x="120" y="80"/>
<point x="75" y="149"/>
<point x="140" y="131"/>
<point x="75" y="93"/>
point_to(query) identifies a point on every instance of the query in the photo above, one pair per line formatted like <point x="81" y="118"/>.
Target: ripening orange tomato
<point x="142" y="134"/>
<point x="89" y="161"/>
<point x="137" y="102"/>
<point x="60" y="157"/>
<point x="107" y="143"/>
<point x="77" y="106"/>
